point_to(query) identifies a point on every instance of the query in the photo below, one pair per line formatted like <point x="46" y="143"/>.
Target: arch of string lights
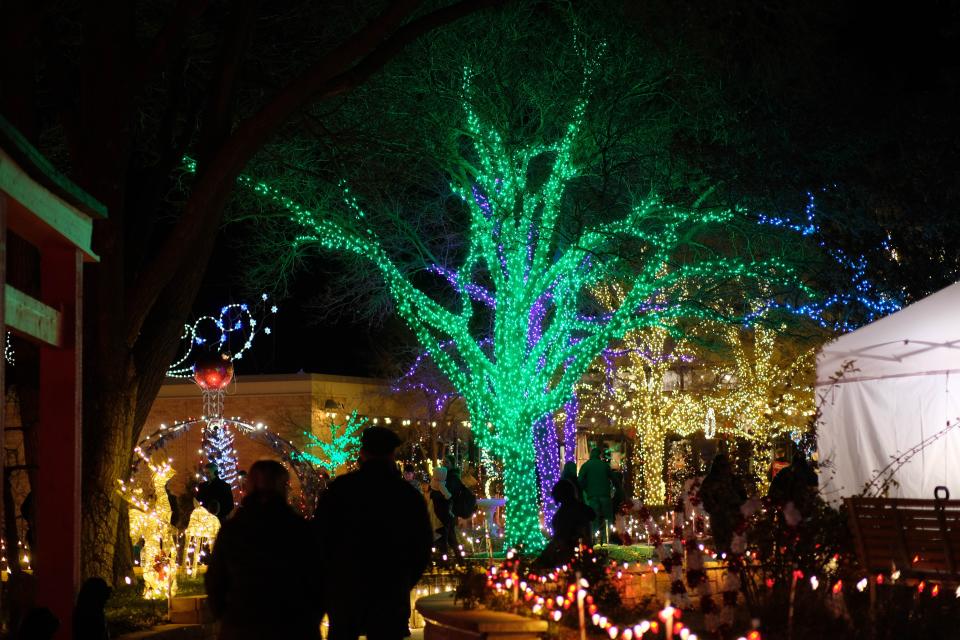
<point x="257" y="432"/>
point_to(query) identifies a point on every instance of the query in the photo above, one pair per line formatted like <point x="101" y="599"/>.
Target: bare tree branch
<point x="329" y="77"/>
<point x="169" y="38"/>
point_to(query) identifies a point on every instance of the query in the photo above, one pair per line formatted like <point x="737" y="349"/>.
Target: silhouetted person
<point x="722" y="494"/>
<point x="597" y="484"/>
<point x="410" y="475"/>
<point x="570" y="473"/>
<point x="215" y="494"/>
<point x="570" y="524"/>
<point x="794" y="490"/>
<point x="440" y="497"/>
<point x="38" y="624"/>
<point x="463" y="502"/>
<point x="89" y="619"/>
<point x="263" y="580"/>
<point x="375" y="535"/>
<point x="793" y="483"/>
<point x="617" y="501"/>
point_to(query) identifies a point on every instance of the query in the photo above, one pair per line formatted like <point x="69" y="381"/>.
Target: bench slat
<point x="895" y="531"/>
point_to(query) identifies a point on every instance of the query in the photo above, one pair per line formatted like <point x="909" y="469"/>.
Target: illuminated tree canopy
<point x="520" y="329"/>
<point x="629" y="384"/>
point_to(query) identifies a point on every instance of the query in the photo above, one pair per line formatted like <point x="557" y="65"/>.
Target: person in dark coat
<point x="722" y="494"/>
<point x="597" y="483"/>
<point x="38" y="624"/>
<point x="264" y="577"/>
<point x="215" y="494"/>
<point x="89" y="619"/>
<point x="410" y="475"/>
<point x="570" y="473"/>
<point x="440" y="498"/>
<point x="375" y="535"/>
<point x="793" y="483"/>
<point x="570" y="524"/>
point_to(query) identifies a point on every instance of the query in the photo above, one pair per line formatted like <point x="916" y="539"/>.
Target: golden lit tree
<point x="639" y="391"/>
<point x="768" y="377"/>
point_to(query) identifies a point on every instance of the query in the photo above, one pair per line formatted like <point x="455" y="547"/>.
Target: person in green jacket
<point x="596" y="481"/>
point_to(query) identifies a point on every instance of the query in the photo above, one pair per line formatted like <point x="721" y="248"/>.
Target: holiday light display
<point x="768" y="397"/>
<point x="230" y="333"/>
<point x="520" y="254"/>
<point x="218" y="448"/>
<point x="341" y="449"/>
<point x="259" y="433"/>
<point x="150" y="521"/>
<point x="634" y="394"/>
<point x="213" y="372"/>
<point x="755" y="395"/>
<point x="859" y="302"/>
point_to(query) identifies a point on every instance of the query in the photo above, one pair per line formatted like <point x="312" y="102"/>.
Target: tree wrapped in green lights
<point x="341" y="449"/>
<point x="519" y="332"/>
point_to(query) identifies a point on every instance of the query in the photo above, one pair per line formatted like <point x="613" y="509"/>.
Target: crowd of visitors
<point x="587" y="502"/>
<point x="274" y="575"/>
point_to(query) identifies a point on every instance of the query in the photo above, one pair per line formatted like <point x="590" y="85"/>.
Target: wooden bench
<point x="920" y="537"/>
<point x="448" y="620"/>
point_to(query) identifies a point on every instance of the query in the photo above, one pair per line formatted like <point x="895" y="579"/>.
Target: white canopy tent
<point x="904" y="390"/>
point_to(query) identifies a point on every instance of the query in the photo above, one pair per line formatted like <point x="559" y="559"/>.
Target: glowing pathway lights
<point x="555" y="593"/>
<point x="532" y="591"/>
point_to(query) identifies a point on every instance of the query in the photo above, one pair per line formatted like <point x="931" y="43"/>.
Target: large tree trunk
<point x="520" y="491"/>
<point x="135" y="302"/>
<point x="108" y="418"/>
<point x="648" y="466"/>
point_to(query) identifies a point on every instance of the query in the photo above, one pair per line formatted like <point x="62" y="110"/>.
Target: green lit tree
<point x="341" y="449"/>
<point x="518" y="332"/>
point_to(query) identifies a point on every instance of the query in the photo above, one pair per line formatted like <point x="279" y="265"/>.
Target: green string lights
<point x="517" y="256"/>
<point x="341" y="449"/>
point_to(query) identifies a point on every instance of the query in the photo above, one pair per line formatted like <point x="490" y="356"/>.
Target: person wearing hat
<point x="375" y="538"/>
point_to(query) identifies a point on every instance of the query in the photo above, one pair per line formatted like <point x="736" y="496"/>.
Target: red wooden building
<point x="45" y="233"/>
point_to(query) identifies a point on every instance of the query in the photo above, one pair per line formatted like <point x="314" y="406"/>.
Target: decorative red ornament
<point x="213" y="372"/>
